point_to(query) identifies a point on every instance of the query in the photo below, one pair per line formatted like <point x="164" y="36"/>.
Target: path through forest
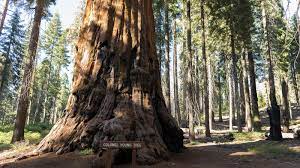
<point x="209" y="155"/>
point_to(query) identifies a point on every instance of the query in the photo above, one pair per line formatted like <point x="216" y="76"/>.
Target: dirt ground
<point x="197" y="156"/>
<point x="205" y="154"/>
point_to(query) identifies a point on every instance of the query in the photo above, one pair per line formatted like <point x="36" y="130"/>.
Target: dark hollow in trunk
<point x="116" y="91"/>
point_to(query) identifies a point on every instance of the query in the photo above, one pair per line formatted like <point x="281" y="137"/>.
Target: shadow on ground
<point x="195" y="156"/>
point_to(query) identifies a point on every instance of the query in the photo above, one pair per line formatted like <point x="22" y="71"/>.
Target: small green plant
<point x="273" y="150"/>
<point x="87" y="151"/>
<point x="248" y="136"/>
<point x="194" y="143"/>
<point x="33" y="135"/>
<point x="6" y="128"/>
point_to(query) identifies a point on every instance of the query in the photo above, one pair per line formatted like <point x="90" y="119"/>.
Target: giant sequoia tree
<point x="116" y="91"/>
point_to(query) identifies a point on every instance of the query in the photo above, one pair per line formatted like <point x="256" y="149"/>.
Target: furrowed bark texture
<point x="285" y="112"/>
<point x="24" y="95"/>
<point x="116" y="92"/>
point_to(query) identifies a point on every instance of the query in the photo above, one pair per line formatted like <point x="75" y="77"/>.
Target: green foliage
<point x="248" y="136"/>
<point x="274" y="150"/>
<point x="33" y="135"/>
<point x="294" y="46"/>
<point x="87" y="151"/>
<point x="261" y="101"/>
<point x="50" y="88"/>
<point x="11" y="57"/>
<point x="12" y="48"/>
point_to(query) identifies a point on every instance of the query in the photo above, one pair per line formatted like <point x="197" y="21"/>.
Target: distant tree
<point x="167" y="54"/>
<point x="294" y="58"/>
<point x="207" y="92"/>
<point x="11" y="47"/>
<point x="175" y="76"/>
<point x="3" y="17"/>
<point x="189" y="98"/>
<point x="41" y="7"/>
<point x="50" y="45"/>
<point x="274" y="111"/>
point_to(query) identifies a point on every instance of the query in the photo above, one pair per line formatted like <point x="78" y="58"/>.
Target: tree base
<point x="119" y="118"/>
<point x="275" y="125"/>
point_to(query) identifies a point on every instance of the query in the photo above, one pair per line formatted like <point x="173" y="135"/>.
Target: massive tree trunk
<point x="189" y="98"/>
<point x="4" y="13"/>
<point x="248" y="114"/>
<point x="24" y="95"/>
<point x="175" y="77"/>
<point x="285" y="113"/>
<point x="116" y="90"/>
<point x="253" y="94"/>
<point x="167" y="55"/>
<point x="205" y="74"/>
<point x="274" y="112"/>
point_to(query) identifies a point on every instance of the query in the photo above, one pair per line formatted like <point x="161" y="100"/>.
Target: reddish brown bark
<point x="116" y="91"/>
<point x="24" y="95"/>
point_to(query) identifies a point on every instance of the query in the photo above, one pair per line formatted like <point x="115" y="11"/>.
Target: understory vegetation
<point x="205" y="74"/>
<point x="33" y="135"/>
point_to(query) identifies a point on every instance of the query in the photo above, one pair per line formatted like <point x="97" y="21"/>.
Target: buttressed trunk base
<point x="116" y="91"/>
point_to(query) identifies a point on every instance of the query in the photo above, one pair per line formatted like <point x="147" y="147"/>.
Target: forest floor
<point x="255" y="154"/>
<point x="223" y="150"/>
